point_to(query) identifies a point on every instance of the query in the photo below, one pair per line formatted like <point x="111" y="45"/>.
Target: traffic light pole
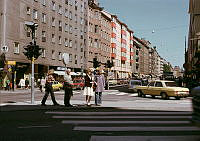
<point x="32" y="82"/>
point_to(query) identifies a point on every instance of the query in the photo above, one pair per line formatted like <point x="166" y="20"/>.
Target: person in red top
<point x="49" y="88"/>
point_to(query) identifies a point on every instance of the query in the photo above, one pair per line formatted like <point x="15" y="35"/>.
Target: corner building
<point x="62" y="28"/>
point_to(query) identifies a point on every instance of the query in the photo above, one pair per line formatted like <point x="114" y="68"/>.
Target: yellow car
<point x="57" y="86"/>
<point x="162" y="88"/>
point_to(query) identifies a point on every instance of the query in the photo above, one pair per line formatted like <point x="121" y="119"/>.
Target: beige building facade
<point x="62" y="28"/>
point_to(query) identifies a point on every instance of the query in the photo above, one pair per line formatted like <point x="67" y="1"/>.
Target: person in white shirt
<point x="68" y="88"/>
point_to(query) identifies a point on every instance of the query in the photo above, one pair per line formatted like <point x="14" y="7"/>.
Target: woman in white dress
<point x="88" y="88"/>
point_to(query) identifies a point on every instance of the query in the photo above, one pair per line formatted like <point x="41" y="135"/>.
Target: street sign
<point x="11" y="63"/>
<point x="4" y="49"/>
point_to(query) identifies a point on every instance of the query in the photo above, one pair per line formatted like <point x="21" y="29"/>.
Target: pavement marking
<point x="119" y="113"/>
<point x="87" y="128"/>
<point x="39" y="126"/>
<point x="135" y="94"/>
<point x="145" y="138"/>
<point x="123" y="117"/>
<point x="122" y="122"/>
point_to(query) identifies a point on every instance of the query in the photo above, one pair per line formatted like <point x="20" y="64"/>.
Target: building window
<point x="70" y="15"/>
<point x="70" y="2"/>
<point x="53" y="55"/>
<point x="75" y="18"/>
<point x="96" y="29"/>
<point x="76" y="59"/>
<point x="66" y="27"/>
<point x="28" y="10"/>
<point x="53" y="6"/>
<point x="43" y="17"/>
<point x="66" y="2"/>
<point x="60" y="9"/>
<point x="60" y="40"/>
<point x="70" y="29"/>
<point x="43" y="53"/>
<point x="70" y="57"/>
<point x="60" y="25"/>
<point x="75" y="31"/>
<point x="96" y="43"/>
<point x="35" y="14"/>
<point x="59" y="56"/>
<point x="53" y="38"/>
<point x="16" y="47"/>
<point x="76" y="5"/>
<point x="81" y="21"/>
<point x="43" y="36"/>
<point x="28" y="33"/>
<point x="70" y="43"/>
<point x="75" y="45"/>
<point x="44" y="2"/>
<point x="53" y="22"/>
<point x="81" y="45"/>
<point x="66" y="42"/>
<point x="66" y="13"/>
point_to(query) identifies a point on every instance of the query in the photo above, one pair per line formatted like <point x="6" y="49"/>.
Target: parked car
<point x="57" y="86"/>
<point x="78" y="84"/>
<point x="162" y="88"/>
<point x="133" y="84"/>
<point x="112" y="82"/>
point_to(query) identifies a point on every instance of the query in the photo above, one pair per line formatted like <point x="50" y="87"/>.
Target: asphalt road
<point x="122" y="117"/>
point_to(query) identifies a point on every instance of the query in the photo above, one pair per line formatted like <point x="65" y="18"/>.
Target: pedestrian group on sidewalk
<point x="93" y="86"/>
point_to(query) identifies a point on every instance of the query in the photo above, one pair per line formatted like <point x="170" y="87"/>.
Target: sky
<point x="164" y="23"/>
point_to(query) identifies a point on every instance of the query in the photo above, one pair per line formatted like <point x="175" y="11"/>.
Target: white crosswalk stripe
<point x="140" y="122"/>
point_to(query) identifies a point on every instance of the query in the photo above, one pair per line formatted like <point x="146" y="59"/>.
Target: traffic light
<point x="109" y="64"/>
<point x="2" y="60"/>
<point x="32" y="50"/>
<point x="96" y="63"/>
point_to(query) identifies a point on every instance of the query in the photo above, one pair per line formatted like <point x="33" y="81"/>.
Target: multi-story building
<point x="99" y="35"/>
<point x="192" y="55"/>
<point x="62" y="28"/>
<point x="122" y="49"/>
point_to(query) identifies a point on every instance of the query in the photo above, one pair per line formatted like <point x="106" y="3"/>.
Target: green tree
<point x="166" y="68"/>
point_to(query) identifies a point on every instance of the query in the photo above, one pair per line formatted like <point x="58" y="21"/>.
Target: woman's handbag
<point x="94" y="86"/>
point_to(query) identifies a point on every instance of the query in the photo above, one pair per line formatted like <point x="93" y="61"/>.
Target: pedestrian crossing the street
<point x="131" y="125"/>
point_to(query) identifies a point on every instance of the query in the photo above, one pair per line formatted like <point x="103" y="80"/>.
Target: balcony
<point x="123" y="58"/>
<point x="113" y="25"/>
<point x="131" y="53"/>
<point x="132" y="61"/>
<point x="113" y="45"/>
<point x="113" y="55"/>
<point x="123" y="41"/>
<point x="113" y="35"/>
<point x="123" y="49"/>
<point x="123" y="32"/>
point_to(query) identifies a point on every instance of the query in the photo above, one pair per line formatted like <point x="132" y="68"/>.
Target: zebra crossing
<point x="131" y="125"/>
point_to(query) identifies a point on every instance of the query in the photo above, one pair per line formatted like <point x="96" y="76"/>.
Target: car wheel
<point x="143" y="95"/>
<point x="177" y="98"/>
<point x="164" y="96"/>
<point x="140" y="93"/>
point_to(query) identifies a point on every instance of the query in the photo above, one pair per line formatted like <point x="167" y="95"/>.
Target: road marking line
<point x="86" y="128"/>
<point x="123" y="117"/>
<point x="119" y="113"/>
<point x="25" y="127"/>
<point x="122" y="122"/>
<point x="145" y="138"/>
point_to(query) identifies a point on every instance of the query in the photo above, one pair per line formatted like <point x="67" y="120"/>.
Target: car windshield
<point x="170" y="84"/>
<point x="135" y="83"/>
